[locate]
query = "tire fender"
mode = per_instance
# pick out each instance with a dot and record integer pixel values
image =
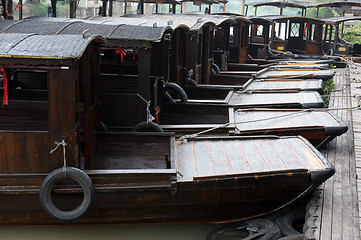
(178, 89)
(147, 127)
(59, 174)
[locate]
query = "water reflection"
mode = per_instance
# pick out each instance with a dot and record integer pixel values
(107, 232)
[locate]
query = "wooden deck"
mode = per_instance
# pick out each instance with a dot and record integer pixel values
(333, 211)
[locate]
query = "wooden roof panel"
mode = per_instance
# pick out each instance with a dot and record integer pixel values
(206, 157)
(275, 119)
(44, 46)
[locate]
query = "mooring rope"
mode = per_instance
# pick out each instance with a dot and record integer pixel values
(150, 118)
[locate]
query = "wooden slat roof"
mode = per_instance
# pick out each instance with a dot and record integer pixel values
(336, 4)
(220, 157)
(305, 99)
(302, 73)
(280, 119)
(110, 30)
(277, 4)
(282, 85)
(337, 20)
(22, 45)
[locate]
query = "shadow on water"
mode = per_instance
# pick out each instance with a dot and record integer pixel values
(107, 232)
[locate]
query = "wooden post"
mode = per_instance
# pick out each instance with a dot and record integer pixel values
(110, 8)
(53, 6)
(9, 7)
(20, 9)
(72, 9)
(105, 8)
(3, 3)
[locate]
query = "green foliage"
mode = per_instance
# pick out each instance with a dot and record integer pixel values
(353, 34)
(40, 9)
(327, 89)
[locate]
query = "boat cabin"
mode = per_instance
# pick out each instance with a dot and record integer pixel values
(41, 81)
(293, 9)
(300, 35)
(333, 42)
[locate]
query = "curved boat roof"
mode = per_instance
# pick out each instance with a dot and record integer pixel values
(23, 45)
(337, 20)
(257, 19)
(174, 21)
(109, 30)
(276, 4)
(299, 18)
(336, 4)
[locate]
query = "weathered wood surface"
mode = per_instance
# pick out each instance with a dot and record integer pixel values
(206, 158)
(279, 100)
(335, 213)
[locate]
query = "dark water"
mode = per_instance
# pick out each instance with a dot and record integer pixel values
(107, 232)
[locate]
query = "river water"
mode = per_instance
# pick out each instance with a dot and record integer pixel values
(107, 232)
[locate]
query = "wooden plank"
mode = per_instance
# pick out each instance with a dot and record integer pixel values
(269, 155)
(287, 155)
(253, 156)
(237, 158)
(305, 155)
(219, 157)
(203, 158)
(3, 162)
(37, 152)
(185, 159)
(15, 152)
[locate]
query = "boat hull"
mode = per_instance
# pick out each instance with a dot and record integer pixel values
(203, 200)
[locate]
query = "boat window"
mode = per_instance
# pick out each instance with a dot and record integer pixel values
(27, 108)
(295, 29)
(280, 29)
(259, 30)
(312, 33)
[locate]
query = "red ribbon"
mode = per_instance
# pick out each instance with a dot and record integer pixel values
(5, 97)
(121, 52)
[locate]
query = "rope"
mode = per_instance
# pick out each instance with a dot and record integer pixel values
(357, 97)
(64, 144)
(150, 118)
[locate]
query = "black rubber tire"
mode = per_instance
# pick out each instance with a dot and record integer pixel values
(285, 221)
(147, 127)
(55, 176)
(215, 69)
(175, 87)
(260, 229)
(191, 82)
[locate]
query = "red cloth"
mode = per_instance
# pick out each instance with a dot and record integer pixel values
(5, 97)
(121, 52)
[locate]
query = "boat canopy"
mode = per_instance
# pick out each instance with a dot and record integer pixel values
(338, 4)
(22, 45)
(295, 18)
(107, 29)
(338, 20)
(277, 4)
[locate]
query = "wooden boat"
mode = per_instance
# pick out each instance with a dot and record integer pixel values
(289, 34)
(317, 126)
(336, 45)
(296, 73)
(276, 4)
(290, 122)
(121, 40)
(169, 180)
